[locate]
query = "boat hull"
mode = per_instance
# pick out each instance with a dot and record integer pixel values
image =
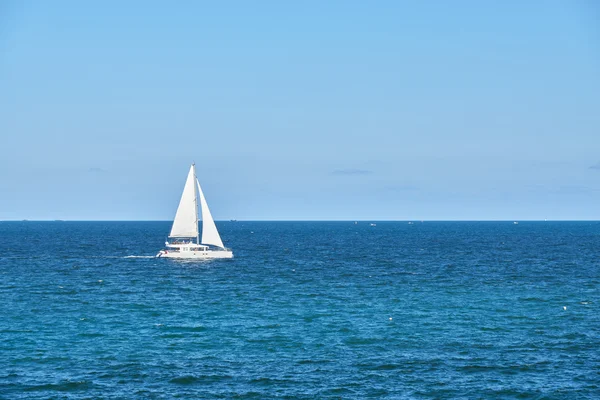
(198, 255)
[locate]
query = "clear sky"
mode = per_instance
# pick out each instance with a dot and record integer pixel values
(301, 109)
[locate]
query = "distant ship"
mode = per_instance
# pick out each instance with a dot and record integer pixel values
(185, 227)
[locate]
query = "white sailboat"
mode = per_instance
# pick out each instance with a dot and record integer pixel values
(180, 243)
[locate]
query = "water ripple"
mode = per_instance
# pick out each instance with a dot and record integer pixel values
(303, 311)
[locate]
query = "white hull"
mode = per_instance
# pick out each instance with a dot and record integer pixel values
(198, 254)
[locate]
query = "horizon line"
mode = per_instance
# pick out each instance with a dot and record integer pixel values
(308, 220)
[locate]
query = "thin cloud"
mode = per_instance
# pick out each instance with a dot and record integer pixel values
(96, 170)
(401, 188)
(596, 166)
(575, 189)
(352, 172)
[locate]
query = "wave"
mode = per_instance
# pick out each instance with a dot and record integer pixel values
(65, 386)
(192, 379)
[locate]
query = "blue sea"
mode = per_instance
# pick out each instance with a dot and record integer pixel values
(305, 310)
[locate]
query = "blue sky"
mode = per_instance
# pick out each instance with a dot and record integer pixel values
(301, 110)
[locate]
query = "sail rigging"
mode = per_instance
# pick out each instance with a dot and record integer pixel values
(210, 235)
(185, 224)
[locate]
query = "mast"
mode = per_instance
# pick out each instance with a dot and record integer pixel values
(196, 204)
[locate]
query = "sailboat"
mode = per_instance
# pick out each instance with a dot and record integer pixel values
(184, 240)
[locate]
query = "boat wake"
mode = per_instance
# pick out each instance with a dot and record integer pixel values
(139, 257)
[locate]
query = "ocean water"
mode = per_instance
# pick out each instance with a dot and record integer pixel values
(433, 310)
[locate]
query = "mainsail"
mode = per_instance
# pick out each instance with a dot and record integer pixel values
(186, 220)
(210, 235)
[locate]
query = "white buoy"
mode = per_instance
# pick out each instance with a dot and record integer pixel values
(100, 280)
(565, 308)
(390, 318)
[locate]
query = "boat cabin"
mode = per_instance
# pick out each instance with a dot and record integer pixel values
(181, 245)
